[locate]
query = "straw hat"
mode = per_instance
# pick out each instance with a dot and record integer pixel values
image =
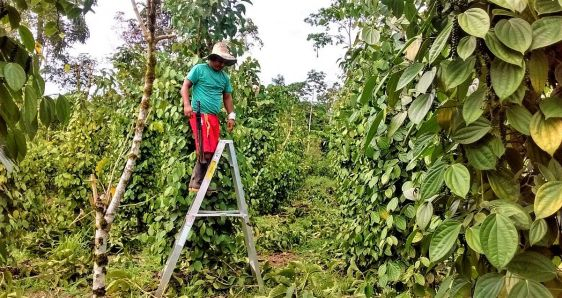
(220, 50)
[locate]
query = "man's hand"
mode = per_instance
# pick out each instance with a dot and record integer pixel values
(187, 111)
(230, 125)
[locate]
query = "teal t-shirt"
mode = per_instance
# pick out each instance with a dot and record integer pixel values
(208, 88)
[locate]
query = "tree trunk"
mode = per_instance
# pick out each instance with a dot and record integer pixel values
(100, 245)
(90, 80)
(139, 129)
(105, 217)
(310, 122)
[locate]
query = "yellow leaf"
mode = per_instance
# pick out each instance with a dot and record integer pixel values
(538, 70)
(548, 199)
(547, 134)
(101, 164)
(413, 48)
(384, 215)
(38, 49)
(67, 68)
(444, 117)
(418, 237)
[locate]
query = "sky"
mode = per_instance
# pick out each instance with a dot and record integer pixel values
(286, 51)
(104, 30)
(280, 24)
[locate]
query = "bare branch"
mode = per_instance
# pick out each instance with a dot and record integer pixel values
(165, 36)
(121, 155)
(141, 22)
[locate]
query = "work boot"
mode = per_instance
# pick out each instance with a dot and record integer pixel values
(197, 176)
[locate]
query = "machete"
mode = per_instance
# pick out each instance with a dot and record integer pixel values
(201, 154)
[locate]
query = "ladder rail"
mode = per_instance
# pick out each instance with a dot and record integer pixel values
(246, 227)
(188, 223)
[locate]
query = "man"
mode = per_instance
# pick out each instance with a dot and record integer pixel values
(209, 87)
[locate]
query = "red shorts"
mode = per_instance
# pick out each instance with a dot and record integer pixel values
(210, 129)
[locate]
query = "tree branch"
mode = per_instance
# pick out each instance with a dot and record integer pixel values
(165, 36)
(141, 23)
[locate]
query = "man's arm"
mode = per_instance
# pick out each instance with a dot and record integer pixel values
(229, 106)
(187, 109)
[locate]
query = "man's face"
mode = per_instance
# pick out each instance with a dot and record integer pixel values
(216, 64)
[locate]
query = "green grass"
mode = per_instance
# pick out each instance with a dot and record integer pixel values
(311, 268)
(58, 274)
(296, 247)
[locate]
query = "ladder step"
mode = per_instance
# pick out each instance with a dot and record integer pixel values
(215, 211)
(218, 213)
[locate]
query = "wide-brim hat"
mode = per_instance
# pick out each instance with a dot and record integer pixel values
(221, 51)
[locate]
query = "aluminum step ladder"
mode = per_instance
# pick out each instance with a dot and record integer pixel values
(194, 213)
